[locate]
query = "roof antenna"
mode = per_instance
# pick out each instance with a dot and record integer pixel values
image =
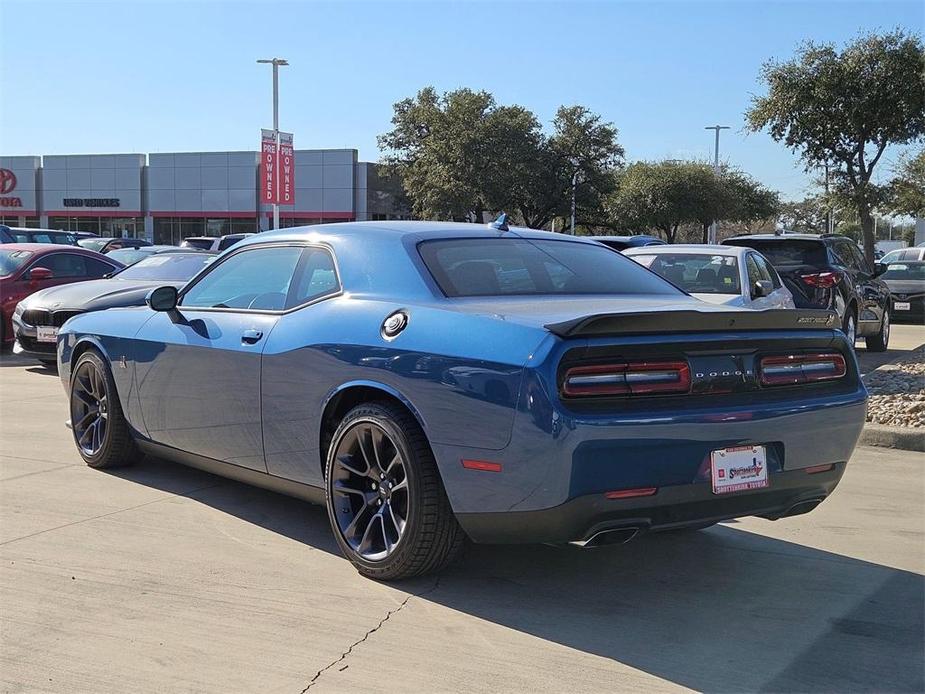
(500, 223)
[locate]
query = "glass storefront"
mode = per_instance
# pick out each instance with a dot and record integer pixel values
(126, 227)
(286, 223)
(15, 221)
(172, 230)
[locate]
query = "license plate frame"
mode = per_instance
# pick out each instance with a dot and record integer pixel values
(46, 333)
(902, 306)
(739, 469)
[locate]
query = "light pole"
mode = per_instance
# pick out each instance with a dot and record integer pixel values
(712, 237)
(574, 190)
(275, 62)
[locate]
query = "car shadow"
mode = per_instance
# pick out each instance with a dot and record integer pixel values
(720, 610)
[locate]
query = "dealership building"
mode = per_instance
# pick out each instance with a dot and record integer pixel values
(166, 197)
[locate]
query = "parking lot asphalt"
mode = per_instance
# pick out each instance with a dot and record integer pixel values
(160, 578)
(903, 339)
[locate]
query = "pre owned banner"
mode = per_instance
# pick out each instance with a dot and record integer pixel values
(286, 169)
(269, 177)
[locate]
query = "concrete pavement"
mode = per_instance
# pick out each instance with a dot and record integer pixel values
(161, 578)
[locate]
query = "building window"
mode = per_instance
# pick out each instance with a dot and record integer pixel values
(128, 227)
(172, 230)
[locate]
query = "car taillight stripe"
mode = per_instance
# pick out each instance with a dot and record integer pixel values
(627, 378)
(630, 493)
(793, 369)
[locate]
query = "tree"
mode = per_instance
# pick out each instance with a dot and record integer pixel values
(662, 195)
(846, 108)
(460, 155)
(667, 195)
(906, 194)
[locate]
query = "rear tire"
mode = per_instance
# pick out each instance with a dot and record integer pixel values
(100, 431)
(388, 510)
(881, 341)
(850, 327)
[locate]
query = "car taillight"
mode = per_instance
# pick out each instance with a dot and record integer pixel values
(791, 369)
(628, 378)
(823, 280)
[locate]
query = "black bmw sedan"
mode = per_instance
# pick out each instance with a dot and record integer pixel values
(38, 318)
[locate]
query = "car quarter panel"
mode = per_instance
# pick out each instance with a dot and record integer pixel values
(461, 373)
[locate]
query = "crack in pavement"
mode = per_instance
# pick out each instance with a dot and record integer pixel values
(343, 656)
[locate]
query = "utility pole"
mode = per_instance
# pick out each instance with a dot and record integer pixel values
(275, 62)
(712, 236)
(574, 186)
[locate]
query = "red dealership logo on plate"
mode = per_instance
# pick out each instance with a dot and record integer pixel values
(7, 181)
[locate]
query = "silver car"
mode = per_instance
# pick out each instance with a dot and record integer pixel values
(726, 275)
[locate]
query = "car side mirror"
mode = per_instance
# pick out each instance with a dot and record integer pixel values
(762, 288)
(880, 268)
(162, 299)
(37, 274)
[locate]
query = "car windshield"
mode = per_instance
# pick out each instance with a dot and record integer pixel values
(93, 244)
(63, 239)
(905, 271)
(498, 266)
(697, 273)
(173, 267)
(787, 251)
(128, 256)
(11, 261)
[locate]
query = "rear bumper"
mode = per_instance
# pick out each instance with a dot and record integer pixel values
(581, 518)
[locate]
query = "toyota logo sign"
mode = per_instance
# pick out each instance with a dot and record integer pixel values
(7, 181)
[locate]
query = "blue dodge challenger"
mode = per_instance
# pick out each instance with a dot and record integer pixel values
(430, 382)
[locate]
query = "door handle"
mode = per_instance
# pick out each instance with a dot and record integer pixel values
(250, 337)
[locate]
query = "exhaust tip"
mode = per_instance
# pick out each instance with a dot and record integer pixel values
(798, 508)
(613, 536)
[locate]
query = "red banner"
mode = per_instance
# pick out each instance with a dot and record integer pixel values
(269, 173)
(286, 169)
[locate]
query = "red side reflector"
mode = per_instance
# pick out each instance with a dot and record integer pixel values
(483, 465)
(792, 369)
(818, 468)
(630, 493)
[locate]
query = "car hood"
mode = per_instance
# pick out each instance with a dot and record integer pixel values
(905, 286)
(94, 295)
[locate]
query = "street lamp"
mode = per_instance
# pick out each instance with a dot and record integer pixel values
(712, 237)
(275, 62)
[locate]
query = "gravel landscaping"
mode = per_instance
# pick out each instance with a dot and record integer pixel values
(897, 392)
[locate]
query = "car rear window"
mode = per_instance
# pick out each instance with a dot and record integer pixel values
(787, 251)
(11, 261)
(506, 266)
(697, 273)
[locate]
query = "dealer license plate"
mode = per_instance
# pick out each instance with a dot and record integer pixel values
(738, 469)
(901, 305)
(46, 333)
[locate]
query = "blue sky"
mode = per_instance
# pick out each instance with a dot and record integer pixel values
(82, 77)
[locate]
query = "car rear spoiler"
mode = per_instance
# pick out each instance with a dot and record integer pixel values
(693, 322)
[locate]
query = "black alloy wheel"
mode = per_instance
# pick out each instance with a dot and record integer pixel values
(100, 431)
(387, 506)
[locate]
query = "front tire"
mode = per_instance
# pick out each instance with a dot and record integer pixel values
(386, 503)
(100, 431)
(881, 341)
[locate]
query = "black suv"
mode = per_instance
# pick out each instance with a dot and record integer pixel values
(829, 271)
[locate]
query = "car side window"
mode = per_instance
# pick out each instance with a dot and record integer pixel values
(766, 271)
(64, 265)
(857, 258)
(258, 279)
(315, 277)
(752, 268)
(97, 268)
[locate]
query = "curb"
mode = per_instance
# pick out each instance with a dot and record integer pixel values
(904, 438)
